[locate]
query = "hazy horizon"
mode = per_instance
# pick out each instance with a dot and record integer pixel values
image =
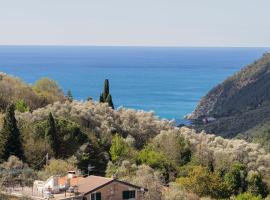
(174, 23)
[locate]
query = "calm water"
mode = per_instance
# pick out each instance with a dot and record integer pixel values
(169, 81)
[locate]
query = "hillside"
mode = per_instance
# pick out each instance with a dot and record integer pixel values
(134, 146)
(238, 104)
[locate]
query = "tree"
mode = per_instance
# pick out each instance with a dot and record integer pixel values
(51, 135)
(174, 146)
(236, 178)
(59, 167)
(49, 89)
(21, 106)
(119, 149)
(256, 186)
(69, 96)
(109, 101)
(204, 183)
(92, 154)
(10, 136)
(105, 96)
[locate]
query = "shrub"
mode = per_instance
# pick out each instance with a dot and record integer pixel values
(119, 149)
(236, 178)
(21, 106)
(256, 186)
(247, 196)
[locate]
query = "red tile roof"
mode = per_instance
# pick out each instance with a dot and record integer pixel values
(73, 181)
(91, 183)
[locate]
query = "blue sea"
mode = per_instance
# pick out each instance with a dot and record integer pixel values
(167, 80)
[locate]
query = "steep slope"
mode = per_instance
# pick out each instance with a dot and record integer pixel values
(239, 103)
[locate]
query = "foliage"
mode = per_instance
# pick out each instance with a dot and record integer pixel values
(105, 96)
(14, 171)
(147, 151)
(52, 136)
(236, 178)
(256, 186)
(247, 196)
(173, 146)
(204, 183)
(36, 145)
(13, 89)
(102, 120)
(153, 158)
(21, 106)
(119, 149)
(10, 136)
(57, 167)
(48, 89)
(175, 192)
(93, 154)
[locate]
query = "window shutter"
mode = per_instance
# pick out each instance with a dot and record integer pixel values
(132, 194)
(98, 196)
(125, 195)
(92, 196)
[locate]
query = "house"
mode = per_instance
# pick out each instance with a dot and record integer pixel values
(101, 188)
(71, 180)
(51, 184)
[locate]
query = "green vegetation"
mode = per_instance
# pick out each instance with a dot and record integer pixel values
(248, 196)
(14, 90)
(240, 103)
(10, 136)
(21, 106)
(106, 97)
(134, 146)
(52, 136)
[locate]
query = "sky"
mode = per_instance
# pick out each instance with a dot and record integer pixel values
(240, 23)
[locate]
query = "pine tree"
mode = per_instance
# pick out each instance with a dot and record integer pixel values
(10, 136)
(51, 135)
(105, 96)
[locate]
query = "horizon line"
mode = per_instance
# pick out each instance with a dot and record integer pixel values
(144, 46)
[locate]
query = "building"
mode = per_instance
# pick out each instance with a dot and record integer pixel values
(51, 184)
(88, 188)
(101, 188)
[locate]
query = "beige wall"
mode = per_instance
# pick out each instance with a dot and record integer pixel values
(114, 190)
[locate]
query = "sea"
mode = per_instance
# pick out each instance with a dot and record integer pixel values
(169, 81)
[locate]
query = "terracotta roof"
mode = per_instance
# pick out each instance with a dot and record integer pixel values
(91, 183)
(73, 181)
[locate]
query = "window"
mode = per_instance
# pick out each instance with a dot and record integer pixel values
(128, 194)
(96, 196)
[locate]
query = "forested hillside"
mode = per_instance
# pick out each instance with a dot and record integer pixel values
(173, 163)
(239, 104)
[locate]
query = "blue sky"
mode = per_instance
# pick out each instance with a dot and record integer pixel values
(135, 22)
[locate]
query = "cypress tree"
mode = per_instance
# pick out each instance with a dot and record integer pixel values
(106, 89)
(109, 101)
(101, 99)
(51, 135)
(10, 136)
(105, 96)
